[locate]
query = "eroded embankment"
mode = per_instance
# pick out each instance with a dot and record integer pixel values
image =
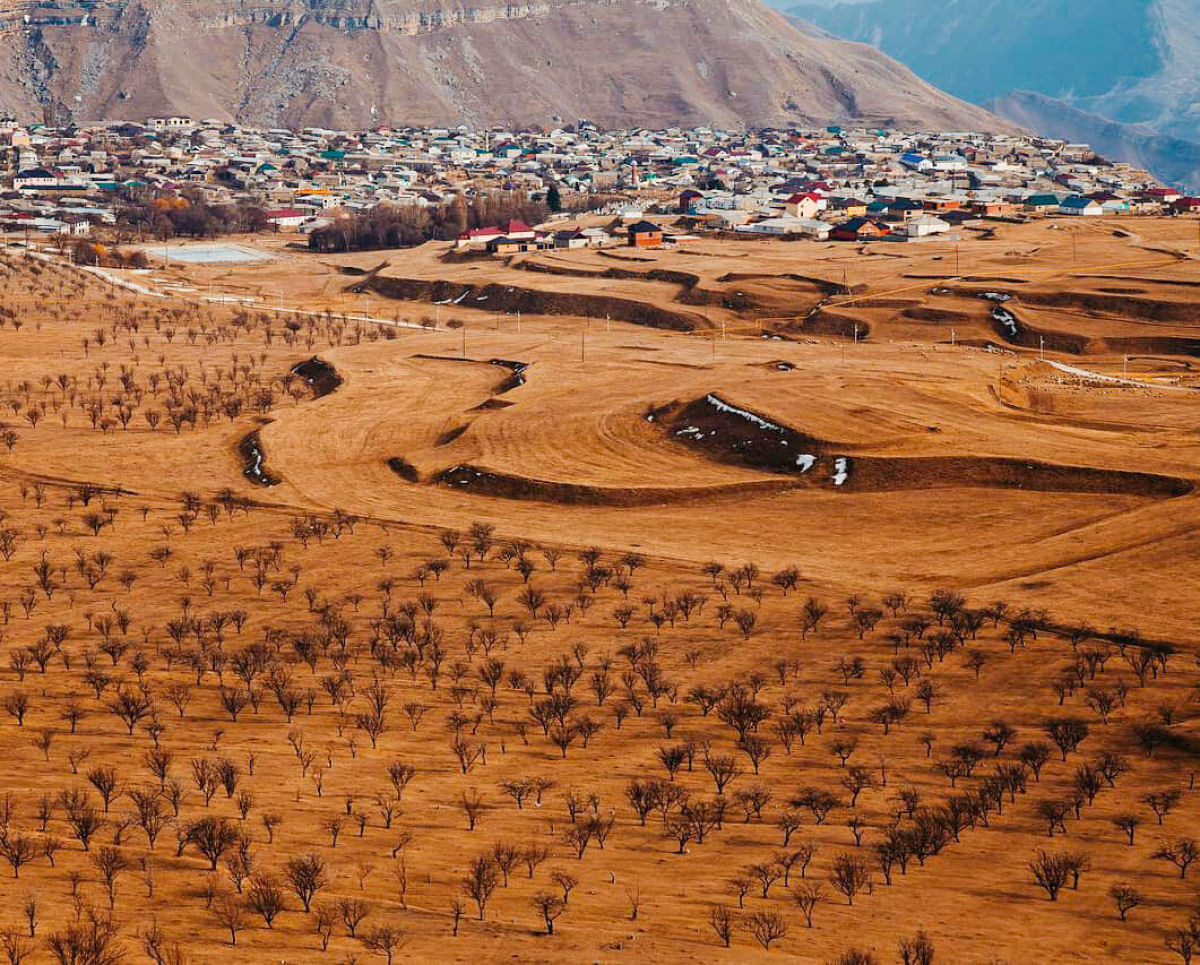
(870, 473)
(1152, 345)
(937, 316)
(686, 279)
(824, 285)
(1001, 279)
(735, 435)
(1017, 331)
(516, 376)
(1130, 306)
(823, 321)
(254, 460)
(516, 370)
(320, 376)
(512, 298)
(487, 482)
(404, 469)
(450, 435)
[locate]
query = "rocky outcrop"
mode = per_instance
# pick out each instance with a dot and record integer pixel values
(354, 63)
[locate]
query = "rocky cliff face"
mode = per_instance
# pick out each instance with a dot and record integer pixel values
(355, 63)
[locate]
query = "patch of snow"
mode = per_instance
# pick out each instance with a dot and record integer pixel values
(1007, 319)
(806, 462)
(841, 470)
(722, 406)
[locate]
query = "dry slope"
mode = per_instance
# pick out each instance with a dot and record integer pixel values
(354, 64)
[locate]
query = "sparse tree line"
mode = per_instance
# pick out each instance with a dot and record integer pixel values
(123, 394)
(568, 703)
(132, 394)
(405, 226)
(142, 212)
(504, 658)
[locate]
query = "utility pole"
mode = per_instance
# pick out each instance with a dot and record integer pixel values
(1124, 366)
(464, 340)
(582, 343)
(957, 269)
(1041, 348)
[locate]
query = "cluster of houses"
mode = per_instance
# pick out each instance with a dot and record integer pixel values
(514, 237)
(826, 183)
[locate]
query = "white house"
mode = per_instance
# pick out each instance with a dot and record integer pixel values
(34, 179)
(949, 162)
(917, 162)
(284, 218)
(788, 226)
(926, 225)
(597, 237)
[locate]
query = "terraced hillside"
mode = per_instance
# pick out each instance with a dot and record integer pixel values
(842, 623)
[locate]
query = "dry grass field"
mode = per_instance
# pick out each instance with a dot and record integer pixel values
(747, 601)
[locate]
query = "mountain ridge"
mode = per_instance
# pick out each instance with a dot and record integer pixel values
(1175, 160)
(1133, 66)
(348, 63)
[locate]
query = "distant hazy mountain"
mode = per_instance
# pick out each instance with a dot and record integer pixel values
(1172, 159)
(1136, 62)
(357, 63)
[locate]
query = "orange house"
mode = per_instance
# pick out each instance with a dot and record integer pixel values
(643, 234)
(942, 204)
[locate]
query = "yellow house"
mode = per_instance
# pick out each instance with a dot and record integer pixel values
(850, 207)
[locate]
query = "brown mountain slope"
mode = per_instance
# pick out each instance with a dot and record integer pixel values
(353, 64)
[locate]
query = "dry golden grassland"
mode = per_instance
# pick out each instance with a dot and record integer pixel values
(868, 638)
